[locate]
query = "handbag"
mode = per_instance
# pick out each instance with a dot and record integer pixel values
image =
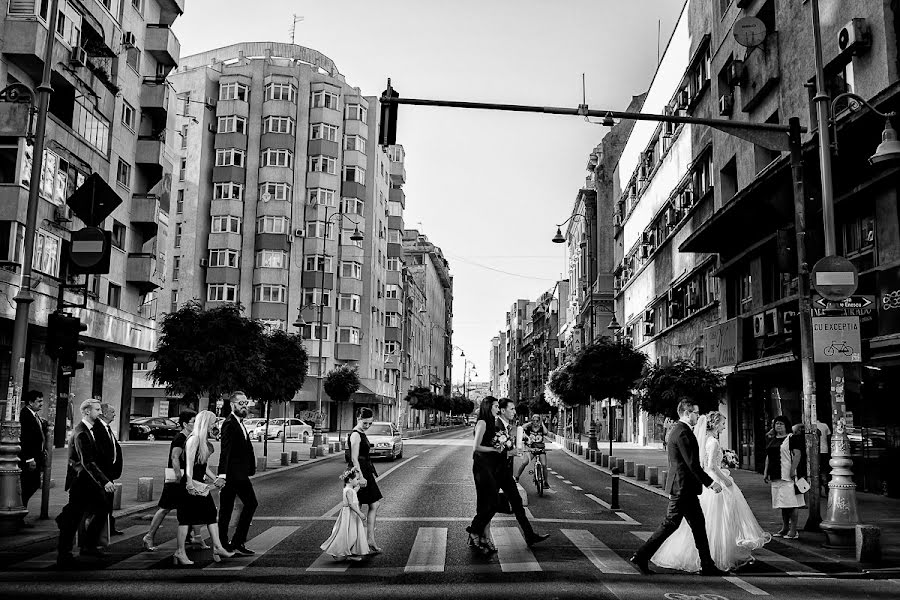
(199, 489)
(801, 485)
(170, 475)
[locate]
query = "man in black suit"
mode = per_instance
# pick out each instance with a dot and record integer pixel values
(33, 456)
(87, 486)
(504, 476)
(236, 464)
(684, 484)
(110, 454)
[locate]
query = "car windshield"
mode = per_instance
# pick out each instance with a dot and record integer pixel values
(274, 422)
(379, 430)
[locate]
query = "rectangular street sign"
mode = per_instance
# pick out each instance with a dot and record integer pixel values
(858, 305)
(836, 340)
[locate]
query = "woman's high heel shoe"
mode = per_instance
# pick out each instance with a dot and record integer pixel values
(220, 553)
(488, 545)
(180, 560)
(147, 543)
(199, 542)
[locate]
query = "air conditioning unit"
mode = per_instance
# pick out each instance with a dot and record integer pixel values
(204, 262)
(210, 102)
(647, 238)
(734, 73)
(128, 39)
(78, 57)
(643, 171)
(669, 129)
(726, 104)
(686, 199)
(854, 37)
(648, 315)
(645, 252)
(300, 232)
(671, 216)
(759, 325)
(773, 323)
(684, 99)
(62, 214)
(648, 329)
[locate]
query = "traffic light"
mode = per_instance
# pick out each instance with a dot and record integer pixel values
(387, 128)
(55, 327)
(67, 329)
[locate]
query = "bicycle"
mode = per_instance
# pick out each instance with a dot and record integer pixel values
(538, 470)
(840, 347)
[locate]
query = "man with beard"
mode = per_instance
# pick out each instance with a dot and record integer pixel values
(236, 464)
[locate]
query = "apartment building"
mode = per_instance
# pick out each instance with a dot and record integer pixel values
(278, 170)
(497, 362)
(517, 318)
(110, 114)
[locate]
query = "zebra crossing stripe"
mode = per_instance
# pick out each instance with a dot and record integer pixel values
(429, 551)
(48, 559)
(577, 489)
(337, 507)
(625, 517)
(785, 564)
(567, 481)
(144, 560)
(747, 587)
(642, 535)
(514, 554)
(598, 553)
(327, 564)
(261, 544)
(602, 503)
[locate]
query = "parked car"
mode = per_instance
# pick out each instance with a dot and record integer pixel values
(385, 440)
(152, 428)
(291, 428)
(251, 424)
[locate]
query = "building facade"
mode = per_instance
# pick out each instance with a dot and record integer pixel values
(111, 114)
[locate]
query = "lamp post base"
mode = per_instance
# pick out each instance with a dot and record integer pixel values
(841, 516)
(592, 437)
(12, 511)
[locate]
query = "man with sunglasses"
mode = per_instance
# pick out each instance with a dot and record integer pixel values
(236, 465)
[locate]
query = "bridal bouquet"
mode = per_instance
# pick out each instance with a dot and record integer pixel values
(730, 459)
(503, 442)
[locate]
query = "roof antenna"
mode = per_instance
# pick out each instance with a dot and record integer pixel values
(583, 107)
(294, 26)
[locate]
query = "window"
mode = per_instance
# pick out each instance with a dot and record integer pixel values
(313, 296)
(221, 292)
(127, 115)
(176, 267)
(315, 331)
(90, 124)
(702, 175)
(178, 230)
(346, 234)
(391, 347)
(323, 131)
(273, 124)
(348, 335)
(318, 262)
(118, 235)
(269, 293)
(232, 124)
(114, 295)
(323, 164)
(281, 91)
(229, 157)
(393, 264)
(185, 103)
(273, 324)
(226, 224)
(223, 257)
(357, 174)
(173, 304)
(133, 59)
(858, 235)
(184, 137)
(392, 291)
(353, 206)
(321, 196)
(318, 229)
(728, 180)
(355, 142)
(392, 319)
(699, 74)
(349, 302)
(271, 259)
(179, 203)
(270, 224)
(46, 253)
(394, 236)
(182, 168)
(123, 174)
(233, 91)
(275, 157)
(351, 269)
(356, 112)
(323, 99)
(228, 191)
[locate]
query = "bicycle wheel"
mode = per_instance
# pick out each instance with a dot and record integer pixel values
(539, 478)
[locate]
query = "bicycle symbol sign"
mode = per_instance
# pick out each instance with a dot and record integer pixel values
(836, 339)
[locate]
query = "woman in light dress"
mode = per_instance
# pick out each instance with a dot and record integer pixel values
(731, 528)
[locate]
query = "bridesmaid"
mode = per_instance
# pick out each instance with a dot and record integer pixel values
(485, 463)
(369, 494)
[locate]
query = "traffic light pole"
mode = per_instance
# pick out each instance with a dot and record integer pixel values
(12, 510)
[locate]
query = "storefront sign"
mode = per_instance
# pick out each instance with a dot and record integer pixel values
(836, 339)
(888, 301)
(723, 344)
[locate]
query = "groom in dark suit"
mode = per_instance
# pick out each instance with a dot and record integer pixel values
(685, 482)
(236, 464)
(32, 456)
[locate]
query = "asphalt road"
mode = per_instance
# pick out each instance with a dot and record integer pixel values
(429, 499)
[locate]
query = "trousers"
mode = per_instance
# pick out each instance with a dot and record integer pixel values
(242, 489)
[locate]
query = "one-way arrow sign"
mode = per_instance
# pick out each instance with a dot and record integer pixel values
(851, 302)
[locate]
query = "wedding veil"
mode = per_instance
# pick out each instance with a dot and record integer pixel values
(701, 433)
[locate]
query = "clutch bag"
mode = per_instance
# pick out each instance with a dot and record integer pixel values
(801, 485)
(199, 489)
(170, 475)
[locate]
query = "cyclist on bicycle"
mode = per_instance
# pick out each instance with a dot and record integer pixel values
(533, 438)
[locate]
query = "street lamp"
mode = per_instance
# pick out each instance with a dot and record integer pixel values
(616, 330)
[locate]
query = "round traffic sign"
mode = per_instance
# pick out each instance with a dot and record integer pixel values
(835, 278)
(87, 247)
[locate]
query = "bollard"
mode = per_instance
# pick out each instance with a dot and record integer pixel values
(629, 468)
(295, 458)
(653, 475)
(321, 451)
(868, 543)
(598, 457)
(284, 459)
(604, 460)
(620, 464)
(117, 497)
(261, 463)
(663, 476)
(641, 472)
(313, 452)
(145, 489)
(590, 454)
(614, 490)
(580, 450)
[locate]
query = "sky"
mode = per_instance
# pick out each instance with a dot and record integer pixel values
(487, 187)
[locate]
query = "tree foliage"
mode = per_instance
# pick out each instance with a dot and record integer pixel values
(605, 369)
(283, 368)
(420, 398)
(341, 382)
(662, 387)
(540, 406)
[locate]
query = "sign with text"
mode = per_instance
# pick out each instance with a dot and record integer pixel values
(862, 306)
(722, 344)
(888, 301)
(836, 340)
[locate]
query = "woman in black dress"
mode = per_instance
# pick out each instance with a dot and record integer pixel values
(172, 490)
(369, 495)
(197, 506)
(485, 463)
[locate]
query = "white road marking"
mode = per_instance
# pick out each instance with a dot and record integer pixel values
(48, 559)
(327, 564)
(577, 488)
(560, 477)
(426, 450)
(513, 552)
(337, 507)
(261, 544)
(627, 518)
(642, 535)
(783, 563)
(528, 514)
(567, 481)
(598, 553)
(602, 503)
(145, 560)
(747, 587)
(429, 551)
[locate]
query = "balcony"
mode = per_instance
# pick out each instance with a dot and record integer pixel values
(13, 202)
(169, 10)
(398, 172)
(144, 271)
(145, 210)
(398, 195)
(150, 151)
(154, 96)
(162, 45)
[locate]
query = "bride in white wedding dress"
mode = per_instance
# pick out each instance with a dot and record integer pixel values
(731, 528)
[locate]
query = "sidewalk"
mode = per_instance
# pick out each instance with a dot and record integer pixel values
(872, 509)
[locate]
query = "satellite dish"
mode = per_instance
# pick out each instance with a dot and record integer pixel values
(266, 196)
(749, 32)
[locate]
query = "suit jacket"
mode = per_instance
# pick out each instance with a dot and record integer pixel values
(686, 476)
(84, 472)
(31, 438)
(237, 460)
(105, 444)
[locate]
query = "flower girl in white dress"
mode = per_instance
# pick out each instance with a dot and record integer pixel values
(731, 528)
(348, 537)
